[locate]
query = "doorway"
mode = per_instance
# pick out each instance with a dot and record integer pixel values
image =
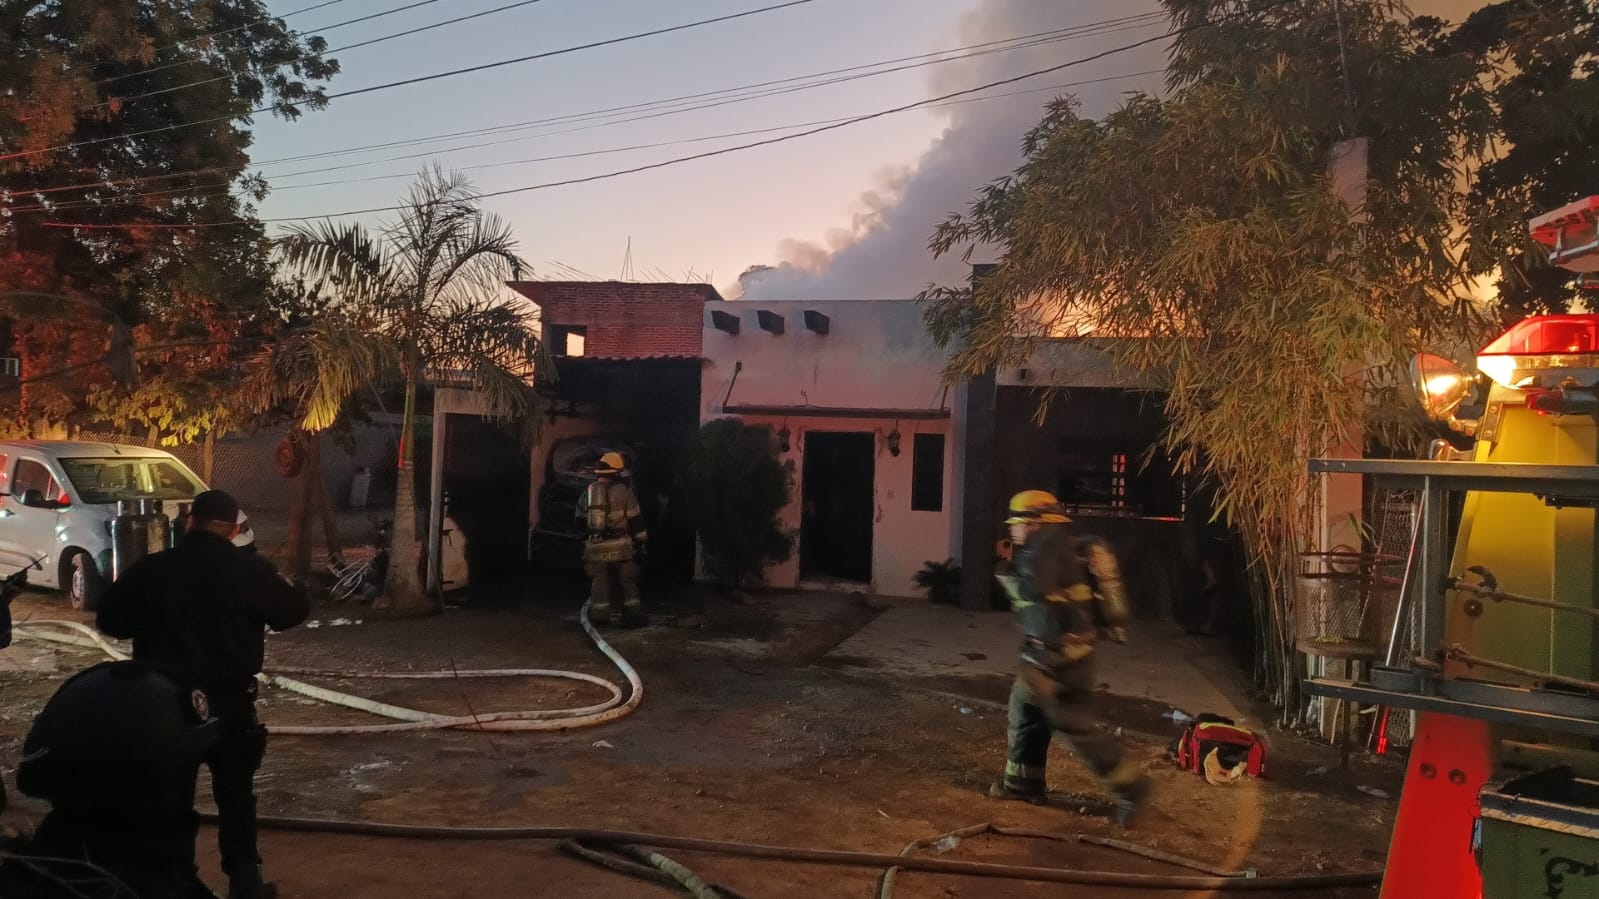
(486, 479)
(836, 491)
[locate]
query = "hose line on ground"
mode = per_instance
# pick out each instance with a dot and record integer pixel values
(412, 719)
(826, 856)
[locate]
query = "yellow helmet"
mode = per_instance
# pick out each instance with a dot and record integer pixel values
(610, 463)
(1036, 506)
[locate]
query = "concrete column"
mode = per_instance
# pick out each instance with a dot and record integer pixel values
(977, 490)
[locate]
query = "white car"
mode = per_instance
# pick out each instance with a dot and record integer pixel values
(57, 499)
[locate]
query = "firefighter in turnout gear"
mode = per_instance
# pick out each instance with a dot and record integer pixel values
(615, 527)
(1066, 592)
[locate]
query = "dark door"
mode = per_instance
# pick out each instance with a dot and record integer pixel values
(836, 530)
(486, 479)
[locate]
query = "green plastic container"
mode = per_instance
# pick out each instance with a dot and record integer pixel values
(1539, 837)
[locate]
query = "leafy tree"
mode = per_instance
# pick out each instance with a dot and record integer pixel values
(1539, 61)
(419, 302)
(120, 125)
(1206, 231)
(733, 488)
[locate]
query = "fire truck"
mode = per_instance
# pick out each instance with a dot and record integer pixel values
(1495, 643)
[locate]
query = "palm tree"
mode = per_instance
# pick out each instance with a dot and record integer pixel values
(418, 301)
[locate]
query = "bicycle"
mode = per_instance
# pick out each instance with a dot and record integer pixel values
(361, 566)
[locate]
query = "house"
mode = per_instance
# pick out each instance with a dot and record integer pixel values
(893, 465)
(627, 359)
(855, 393)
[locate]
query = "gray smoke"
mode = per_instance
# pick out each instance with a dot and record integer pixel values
(883, 253)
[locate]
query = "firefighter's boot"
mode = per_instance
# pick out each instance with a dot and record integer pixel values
(1021, 783)
(1130, 800)
(245, 882)
(1032, 795)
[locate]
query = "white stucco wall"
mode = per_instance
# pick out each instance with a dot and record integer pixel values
(875, 356)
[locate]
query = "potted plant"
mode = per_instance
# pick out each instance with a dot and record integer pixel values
(941, 580)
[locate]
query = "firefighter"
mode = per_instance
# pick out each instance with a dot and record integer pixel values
(1052, 587)
(115, 752)
(201, 610)
(615, 529)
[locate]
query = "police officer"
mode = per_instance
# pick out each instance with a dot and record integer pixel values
(201, 609)
(614, 524)
(115, 752)
(1065, 593)
(8, 590)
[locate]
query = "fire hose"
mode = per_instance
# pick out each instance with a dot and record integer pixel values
(625, 840)
(842, 857)
(406, 719)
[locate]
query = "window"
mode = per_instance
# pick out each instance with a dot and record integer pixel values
(30, 475)
(927, 473)
(568, 340)
(125, 477)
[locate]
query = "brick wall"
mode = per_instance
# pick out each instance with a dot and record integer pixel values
(623, 320)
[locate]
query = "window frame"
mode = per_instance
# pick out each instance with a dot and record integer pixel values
(53, 491)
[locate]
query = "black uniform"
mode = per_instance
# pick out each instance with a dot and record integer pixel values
(201, 609)
(115, 752)
(1053, 594)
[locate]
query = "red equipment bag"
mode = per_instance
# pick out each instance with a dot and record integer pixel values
(1234, 744)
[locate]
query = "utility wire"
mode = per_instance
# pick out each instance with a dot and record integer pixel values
(1081, 31)
(723, 151)
(713, 98)
(417, 80)
(218, 33)
(183, 62)
(309, 56)
(223, 187)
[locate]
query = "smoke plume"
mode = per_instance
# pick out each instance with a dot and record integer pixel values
(883, 253)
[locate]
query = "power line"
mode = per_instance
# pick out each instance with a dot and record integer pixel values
(417, 80)
(718, 97)
(726, 150)
(1081, 31)
(183, 62)
(366, 43)
(224, 187)
(219, 33)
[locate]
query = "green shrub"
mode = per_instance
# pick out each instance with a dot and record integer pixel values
(734, 487)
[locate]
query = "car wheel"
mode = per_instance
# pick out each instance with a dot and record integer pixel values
(77, 580)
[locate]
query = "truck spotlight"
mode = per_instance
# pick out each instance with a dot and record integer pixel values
(1440, 385)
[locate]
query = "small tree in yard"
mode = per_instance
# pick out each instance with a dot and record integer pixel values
(734, 486)
(418, 301)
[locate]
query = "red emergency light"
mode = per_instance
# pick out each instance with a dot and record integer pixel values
(1541, 352)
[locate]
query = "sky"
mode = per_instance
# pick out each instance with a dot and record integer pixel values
(843, 214)
(714, 217)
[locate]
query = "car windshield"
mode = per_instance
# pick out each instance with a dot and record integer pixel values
(124, 477)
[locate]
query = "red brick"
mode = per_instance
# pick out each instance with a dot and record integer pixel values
(625, 320)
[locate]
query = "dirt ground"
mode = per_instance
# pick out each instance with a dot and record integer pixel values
(771, 744)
